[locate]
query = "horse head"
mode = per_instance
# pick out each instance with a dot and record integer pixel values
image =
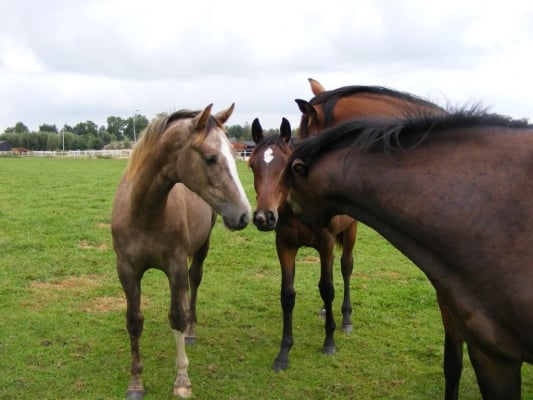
(203, 160)
(268, 161)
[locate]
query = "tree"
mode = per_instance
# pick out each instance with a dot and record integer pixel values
(116, 126)
(88, 135)
(47, 128)
(240, 133)
(85, 129)
(135, 127)
(19, 128)
(53, 142)
(69, 138)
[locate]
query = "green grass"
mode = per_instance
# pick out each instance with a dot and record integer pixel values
(62, 329)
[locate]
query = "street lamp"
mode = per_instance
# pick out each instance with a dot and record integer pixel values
(134, 133)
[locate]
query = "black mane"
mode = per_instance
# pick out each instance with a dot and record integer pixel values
(396, 135)
(355, 89)
(329, 98)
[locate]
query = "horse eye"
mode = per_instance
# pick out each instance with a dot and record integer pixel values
(210, 159)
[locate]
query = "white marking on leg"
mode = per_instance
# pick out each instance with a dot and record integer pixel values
(268, 156)
(182, 385)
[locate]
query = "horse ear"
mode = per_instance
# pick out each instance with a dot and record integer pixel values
(299, 167)
(316, 87)
(257, 131)
(223, 116)
(285, 129)
(200, 121)
(306, 108)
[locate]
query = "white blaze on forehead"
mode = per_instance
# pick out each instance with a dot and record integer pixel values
(228, 155)
(268, 156)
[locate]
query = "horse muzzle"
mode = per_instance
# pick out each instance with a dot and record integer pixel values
(236, 224)
(265, 220)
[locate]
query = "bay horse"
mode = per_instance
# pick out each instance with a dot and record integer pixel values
(329, 107)
(453, 194)
(181, 173)
(268, 161)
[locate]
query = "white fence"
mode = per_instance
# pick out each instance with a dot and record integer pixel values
(124, 153)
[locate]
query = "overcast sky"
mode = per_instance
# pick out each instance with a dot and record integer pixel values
(66, 61)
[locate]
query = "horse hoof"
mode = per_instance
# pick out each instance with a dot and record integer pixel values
(329, 350)
(190, 340)
(280, 366)
(347, 328)
(183, 392)
(135, 394)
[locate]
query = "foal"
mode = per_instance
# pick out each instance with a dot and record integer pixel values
(181, 172)
(268, 161)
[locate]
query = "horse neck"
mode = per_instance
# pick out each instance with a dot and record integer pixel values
(149, 190)
(364, 105)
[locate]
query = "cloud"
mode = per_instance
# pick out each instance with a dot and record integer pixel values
(63, 61)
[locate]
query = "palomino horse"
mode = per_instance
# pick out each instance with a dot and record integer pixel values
(329, 107)
(268, 161)
(159, 219)
(453, 193)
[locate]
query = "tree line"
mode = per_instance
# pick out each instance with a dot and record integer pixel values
(118, 133)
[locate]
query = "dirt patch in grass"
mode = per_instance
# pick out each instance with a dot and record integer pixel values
(309, 260)
(71, 283)
(85, 245)
(75, 290)
(107, 304)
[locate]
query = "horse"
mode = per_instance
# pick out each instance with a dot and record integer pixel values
(332, 106)
(180, 175)
(329, 107)
(267, 161)
(452, 193)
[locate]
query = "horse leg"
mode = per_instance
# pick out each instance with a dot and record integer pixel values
(327, 292)
(453, 354)
(498, 378)
(348, 242)
(178, 317)
(287, 259)
(131, 283)
(196, 271)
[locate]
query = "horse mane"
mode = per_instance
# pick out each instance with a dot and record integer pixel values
(390, 135)
(329, 98)
(357, 89)
(153, 132)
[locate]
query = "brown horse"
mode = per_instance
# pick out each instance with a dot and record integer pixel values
(453, 194)
(268, 161)
(330, 107)
(180, 168)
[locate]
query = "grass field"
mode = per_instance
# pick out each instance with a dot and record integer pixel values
(62, 328)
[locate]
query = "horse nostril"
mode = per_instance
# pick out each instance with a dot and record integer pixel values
(271, 217)
(244, 220)
(259, 217)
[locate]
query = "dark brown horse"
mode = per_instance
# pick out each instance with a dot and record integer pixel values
(453, 193)
(181, 172)
(268, 161)
(329, 107)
